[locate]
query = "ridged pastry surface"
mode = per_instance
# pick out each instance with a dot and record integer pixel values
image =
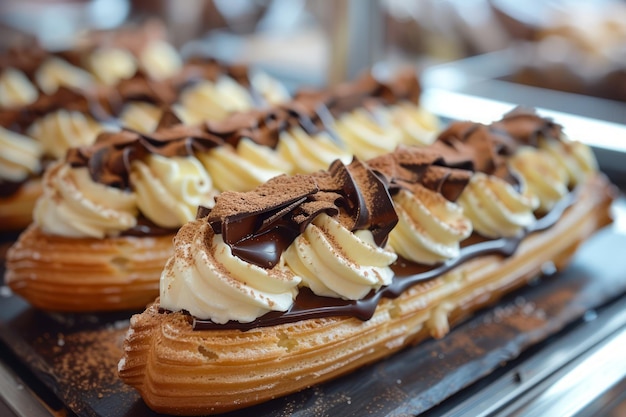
(85, 274)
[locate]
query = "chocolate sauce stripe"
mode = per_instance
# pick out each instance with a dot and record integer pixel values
(309, 306)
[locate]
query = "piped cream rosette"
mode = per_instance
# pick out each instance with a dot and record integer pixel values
(430, 228)
(254, 164)
(64, 129)
(16, 89)
(220, 286)
(368, 134)
(552, 169)
(166, 191)
(20, 163)
(335, 262)
(20, 156)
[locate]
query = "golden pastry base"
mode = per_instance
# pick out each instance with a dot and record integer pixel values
(84, 274)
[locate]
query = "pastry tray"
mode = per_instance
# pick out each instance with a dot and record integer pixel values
(75, 356)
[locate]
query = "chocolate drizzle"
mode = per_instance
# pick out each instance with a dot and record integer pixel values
(407, 274)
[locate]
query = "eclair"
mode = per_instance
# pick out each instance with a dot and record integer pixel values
(104, 223)
(41, 132)
(310, 276)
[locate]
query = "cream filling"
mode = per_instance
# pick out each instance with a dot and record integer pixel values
(429, 227)
(20, 156)
(141, 116)
(576, 158)
(170, 189)
(309, 153)
(495, 208)
(419, 126)
(64, 129)
(206, 101)
(16, 89)
(73, 205)
(55, 73)
(272, 91)
(111, 65)
(232, 171)
(335, 262)
(160, 60)
(544, 176)
(366, 138)
(207, 280)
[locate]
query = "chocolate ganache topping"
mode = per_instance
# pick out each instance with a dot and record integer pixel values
(526, 126)
(409, 166)
(25, 59)
(206, 68)
(110, 158)
(487, 148)
(259, 225)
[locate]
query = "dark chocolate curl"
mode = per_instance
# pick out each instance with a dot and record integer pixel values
(168, 119)
(352, 202)
(408, 166)
(487, 148)
(527, 127)
(257, 224)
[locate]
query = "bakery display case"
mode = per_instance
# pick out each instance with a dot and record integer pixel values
(553, 347)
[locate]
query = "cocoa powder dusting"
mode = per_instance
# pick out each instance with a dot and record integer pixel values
(87, 360)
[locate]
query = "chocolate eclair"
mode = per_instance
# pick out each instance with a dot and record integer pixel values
(43, 130)
(308, 277)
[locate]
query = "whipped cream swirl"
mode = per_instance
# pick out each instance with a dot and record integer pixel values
(111, 65)
(236, 171)
(544, 176)
(20, 156)
(15, 89)
(73, 205)
(56, 72)
(64, 129)
(170, 189)
(141, 117)
(429, 227)
(335, 262)
(309, 153)
(207, 280)
(364, 136)
(495, 208)
(206, 100)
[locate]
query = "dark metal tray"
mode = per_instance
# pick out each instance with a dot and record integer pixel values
(76, 356)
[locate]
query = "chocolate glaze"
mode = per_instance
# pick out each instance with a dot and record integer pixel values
(407, 274)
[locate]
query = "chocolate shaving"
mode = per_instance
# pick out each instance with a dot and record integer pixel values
(527, 127)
